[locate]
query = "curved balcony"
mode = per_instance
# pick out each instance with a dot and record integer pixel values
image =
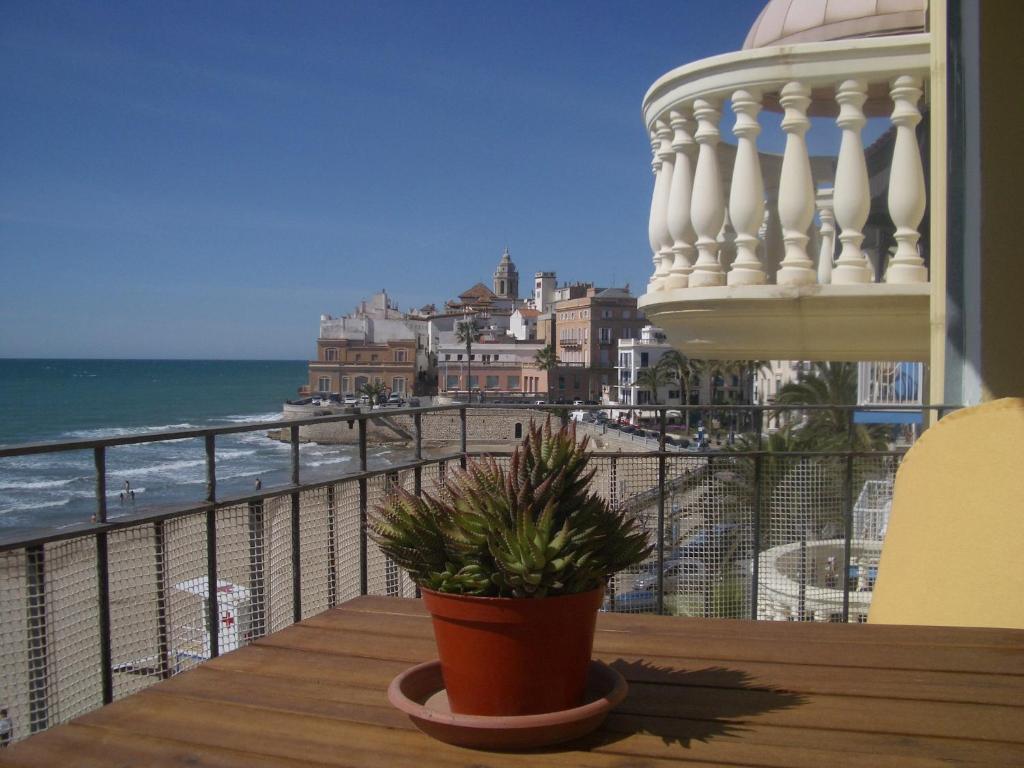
(793, 282)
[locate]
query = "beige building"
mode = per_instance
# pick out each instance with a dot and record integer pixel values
(587, 328)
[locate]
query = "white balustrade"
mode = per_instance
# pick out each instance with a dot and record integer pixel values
(746, 197)
(701, 239)
(907, 196)
(796, 188)
(707, 209)
(679, 200)
(852, 197)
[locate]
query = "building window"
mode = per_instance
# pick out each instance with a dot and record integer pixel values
(358, 357)
(561, 382)
(644, 358)
(344, 384)
(474, 382)
(447, 357)
(452, 382)
(458, 357)
(378, 381)
(606, 335)
(491, 382)
(324, 384)
(398, 385)
(625, 314)
(606, 314)
(399, 355)
(331, 355)
(513, 383)
(494, 358)
(374, 358)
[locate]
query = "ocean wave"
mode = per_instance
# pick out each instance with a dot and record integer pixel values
(157, 469)
(251, 417)
(36, 505)
(105, 432)
(339, 460)
(234, 453)
(38, 485)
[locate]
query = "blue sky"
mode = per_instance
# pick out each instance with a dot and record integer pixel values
(204, 179)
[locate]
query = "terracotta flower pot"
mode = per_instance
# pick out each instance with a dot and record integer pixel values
(514, 656)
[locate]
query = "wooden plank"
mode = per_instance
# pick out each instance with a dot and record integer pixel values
(316, 738)
(747, 640)
(822, 679)
(96, 747)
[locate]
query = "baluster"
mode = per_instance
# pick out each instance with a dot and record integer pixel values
(707, 210)
(851, 199)
(652, 232)
(907, 196)
(796, 188)
(667, 156)
(826, 252)
(746, 199)
(679, 200)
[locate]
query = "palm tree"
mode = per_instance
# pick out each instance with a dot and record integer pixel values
(373, 390)
(679, 368)
(831, 384)
(652, 378)
(547, 360)
(467, 331)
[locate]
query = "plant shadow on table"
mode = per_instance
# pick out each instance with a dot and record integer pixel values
(683, 705)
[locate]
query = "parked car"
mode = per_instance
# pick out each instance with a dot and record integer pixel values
(396, 400)
(682, 574)
(414, 402)
(351, 400)
(635, 601)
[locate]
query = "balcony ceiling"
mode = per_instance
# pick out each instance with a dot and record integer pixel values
(809, 322)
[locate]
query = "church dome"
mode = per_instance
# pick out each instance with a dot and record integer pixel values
(785, 22)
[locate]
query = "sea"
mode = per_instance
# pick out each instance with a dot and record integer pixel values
(59, 400)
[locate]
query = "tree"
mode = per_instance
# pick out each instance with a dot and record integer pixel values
(679, 368)
(650, 379)
(373, 390)
(467, 331)
(547, 360)
(829, 428)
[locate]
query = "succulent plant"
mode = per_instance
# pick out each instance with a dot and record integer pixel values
(534, 530)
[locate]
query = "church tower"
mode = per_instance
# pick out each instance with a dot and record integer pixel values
(506, 278)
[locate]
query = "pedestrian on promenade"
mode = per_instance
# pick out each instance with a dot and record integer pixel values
(259, 483)
(6, 729)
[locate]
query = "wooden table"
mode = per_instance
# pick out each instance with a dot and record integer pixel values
(702, 692)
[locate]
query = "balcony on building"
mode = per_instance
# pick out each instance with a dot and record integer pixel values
(793, 255)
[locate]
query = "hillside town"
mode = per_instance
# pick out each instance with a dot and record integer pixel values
(563, 343)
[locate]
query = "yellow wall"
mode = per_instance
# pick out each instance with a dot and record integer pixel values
(954, 548)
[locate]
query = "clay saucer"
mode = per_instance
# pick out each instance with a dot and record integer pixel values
(419, 692)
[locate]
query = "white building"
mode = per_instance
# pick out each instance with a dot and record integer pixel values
(523, 323)
(634, 356)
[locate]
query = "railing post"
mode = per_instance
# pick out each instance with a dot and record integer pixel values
(755, 571)
(848, 534)
(296, 500)
(462, 436)
(418, 455)
(160, 576)
(212, 607)
(660, 597)
(332, 552)
(103, 577)
(363, 500)
(38, 641)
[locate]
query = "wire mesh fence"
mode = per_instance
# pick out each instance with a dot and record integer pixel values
(96, 615)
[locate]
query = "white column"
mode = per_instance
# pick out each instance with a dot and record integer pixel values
(907, 196)
(796, 188)
(661, 240)
(852, 198)
(707, 209)
(679, 200)
(652, 232)
(827, 251)
(746, 198)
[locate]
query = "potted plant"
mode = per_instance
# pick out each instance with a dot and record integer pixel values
(512, 566)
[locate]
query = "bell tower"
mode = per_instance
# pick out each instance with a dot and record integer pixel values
(506, 278)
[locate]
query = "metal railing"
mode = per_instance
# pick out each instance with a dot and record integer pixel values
(92, 612)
